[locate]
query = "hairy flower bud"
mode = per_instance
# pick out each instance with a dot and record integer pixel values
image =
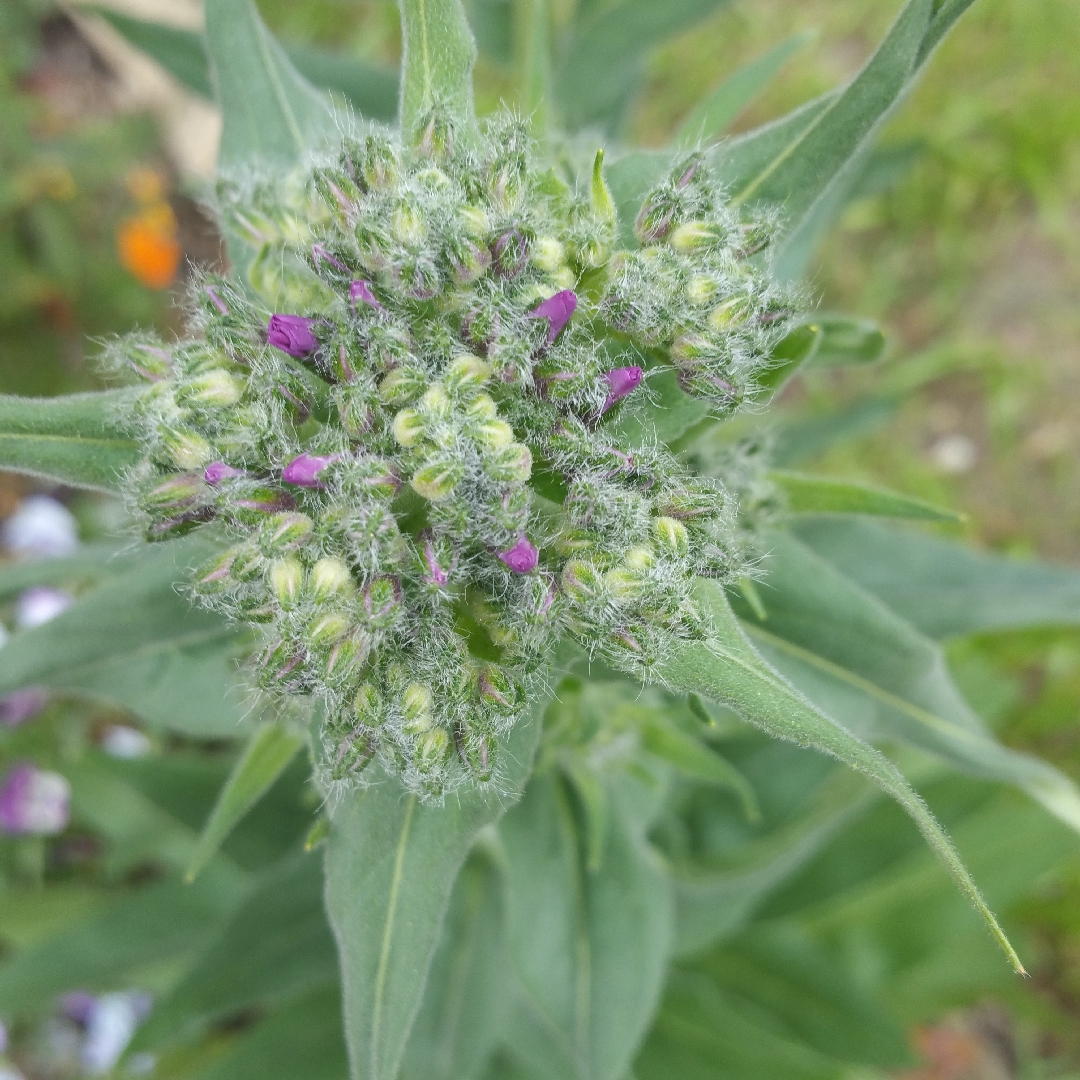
(286, 579)
(331, 580)
(672, 536)
(284, 532)
(292, 334)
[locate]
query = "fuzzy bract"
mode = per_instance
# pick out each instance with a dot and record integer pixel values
(407, 421)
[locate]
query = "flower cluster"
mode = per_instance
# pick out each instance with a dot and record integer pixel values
(406, 420)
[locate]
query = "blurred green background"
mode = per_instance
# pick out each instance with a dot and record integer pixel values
(963, 243)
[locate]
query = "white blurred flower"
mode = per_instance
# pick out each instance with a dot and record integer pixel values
(40, 604)
(954, 453)
(34, 801)
(40, 527)
(109, 1028)
(121, 741)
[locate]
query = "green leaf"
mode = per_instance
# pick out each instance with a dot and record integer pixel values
(534, 63)
(92, 562)
(601, 67)
(391, 865)
(269, 110)
(668, 413)
(156, 924)
(137, 643)
(83, 440)
(824, 495)
(804, 438)
(698, 761)
(180, 52)
(712, 115)
(438, 53)
(265, 757)
(589, 948)
(371, 90)
(727, 669)
(273, 947)
(942, 588)
(467, 990)
(880, 677)
(712, 905)
(303, 1039)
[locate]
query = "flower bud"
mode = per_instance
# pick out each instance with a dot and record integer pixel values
(465, 375)
(331, 579)
(511, 252)
(345, 658)
(621, 381)
(434, 402)
(34, 802)
(351, 755)
(407, 224)
(188, 449)
(510, 465)
(692, 235)
(492, 434)
(731, 313)
(217, 471)
(436, 480)
(286, 578)
(215, 576)
(409, 427)
(640, 559)
(176, 493)
(292, 334)
(498, 690)
(401, 385)
(581, 581)
(282, 665)
(304, 470)
(482, 407)
(380, 169)
(548, 254)
(324, 630)
(622, 583)
(672, 536)
(432, 750)
(254, 502)
(283, 533)
(558, 310)
(522, 557)
(468, 259)
(215, 388)
(368, 706)
(654, 220)
(416, 703)
(701, 289)
(382, 602)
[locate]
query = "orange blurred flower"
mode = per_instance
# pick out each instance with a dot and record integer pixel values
(147, 241)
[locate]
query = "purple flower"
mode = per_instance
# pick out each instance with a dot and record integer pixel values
(216, 300)
(77, 1005)
(320, 254)
(622, 380)
(40, 604)
(557, 310)
(304, 470)
(41, 527)
(522, 557)
(292, 334)
(217, 471)
(22, 705)
(361, 290)
(33, 801)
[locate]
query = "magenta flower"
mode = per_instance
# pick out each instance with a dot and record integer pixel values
(320, 254)
(217, 471)
(622, 380)
(292, 334)
(361, 290)
(557, 310)
(304, 470)
(22, 705)
(34, 802)
(522, 557)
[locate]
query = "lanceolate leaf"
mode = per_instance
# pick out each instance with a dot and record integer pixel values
(879, 677)
(269, 110)
(437, 62)
(589, 947)
(82, 440)
(825, 495)
(824, 341)
(942, 588)
(271, 748)
(136, 642)
(727, 669)
(371, 90)
(391, 865)
(712, 115)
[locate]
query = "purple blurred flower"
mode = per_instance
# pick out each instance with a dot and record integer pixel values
(522, 557)
(41, 527)
(33, 801)
(109, 1022)
(217, 471)
(622, 380)
(304, 470)
(292, 334)
(361, 290)
(22, 705)
(557, 310)
(216, 300)
(320, 254)
(77, 1005)
(40, 604)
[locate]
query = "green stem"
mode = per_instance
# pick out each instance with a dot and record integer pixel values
(727, 669)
